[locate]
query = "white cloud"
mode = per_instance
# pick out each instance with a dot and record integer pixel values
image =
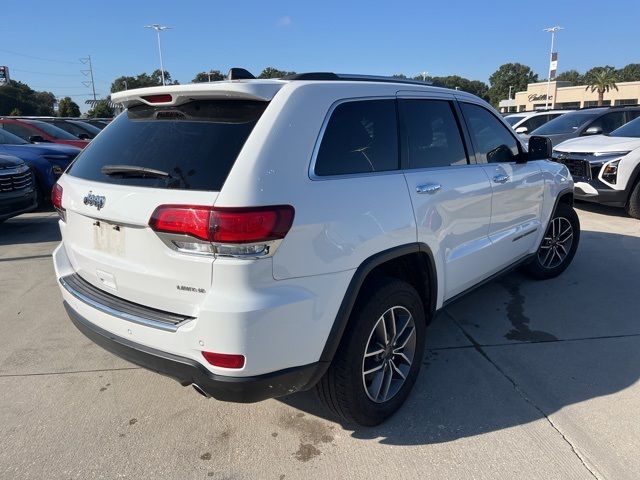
(284, 21)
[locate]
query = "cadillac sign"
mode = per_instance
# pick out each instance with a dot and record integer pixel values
(539, 98)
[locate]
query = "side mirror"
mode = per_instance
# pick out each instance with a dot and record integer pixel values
(521, 130)
(36, 139)
(593, 131)
(84, 136)
(540, 148)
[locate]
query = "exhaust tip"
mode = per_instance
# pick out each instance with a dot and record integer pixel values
(199, 389)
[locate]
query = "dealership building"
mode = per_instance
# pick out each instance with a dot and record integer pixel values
(564, 95)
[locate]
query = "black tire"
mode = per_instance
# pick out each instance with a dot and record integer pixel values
(40, 198)
(343, 388)
(552, 244)
(633, 205)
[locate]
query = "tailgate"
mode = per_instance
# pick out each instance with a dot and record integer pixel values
(114, 249)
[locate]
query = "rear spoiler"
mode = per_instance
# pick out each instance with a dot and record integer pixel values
(263, 90)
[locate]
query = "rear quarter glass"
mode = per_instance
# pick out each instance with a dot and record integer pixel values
(196, 144)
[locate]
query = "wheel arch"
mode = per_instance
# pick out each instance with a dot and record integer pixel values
(634, 178)
(421, 272)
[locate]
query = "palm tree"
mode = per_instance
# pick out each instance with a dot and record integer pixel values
(602, 81)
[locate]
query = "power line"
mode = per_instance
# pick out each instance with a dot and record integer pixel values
(47, 73)
(37, 58)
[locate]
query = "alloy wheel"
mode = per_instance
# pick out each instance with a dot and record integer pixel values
(556, 243)
(389, 354)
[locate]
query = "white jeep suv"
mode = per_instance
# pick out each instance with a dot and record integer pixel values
(255, 238)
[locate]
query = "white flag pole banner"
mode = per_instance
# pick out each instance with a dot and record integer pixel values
(4, 76)
(553, 65)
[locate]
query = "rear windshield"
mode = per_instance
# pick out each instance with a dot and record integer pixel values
(194, 145)
(567, 123)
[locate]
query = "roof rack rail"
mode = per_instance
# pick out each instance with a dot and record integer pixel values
(352, 78)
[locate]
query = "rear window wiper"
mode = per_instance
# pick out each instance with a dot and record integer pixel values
(132, 171)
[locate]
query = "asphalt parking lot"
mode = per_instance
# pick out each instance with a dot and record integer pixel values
(521, 378)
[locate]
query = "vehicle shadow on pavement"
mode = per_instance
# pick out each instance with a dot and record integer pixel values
(601, 209)
(26, 229)
(517, 351)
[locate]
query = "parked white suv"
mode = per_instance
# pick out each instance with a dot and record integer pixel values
(524, 123)
(255, 238)
(606, 168)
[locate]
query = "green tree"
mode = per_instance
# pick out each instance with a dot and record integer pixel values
(572, 76)
(141, 80)
(68, 108)
(19, 95)
(210, 76)
(475, 87)
(629, 73)
(601, 81)
(271, 72)
(16, 112)
(101, 110)
(399, 75)
(514, 75)
(591, 73)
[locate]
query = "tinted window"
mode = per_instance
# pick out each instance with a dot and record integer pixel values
(52, 130)
(492, 140)
(68, 127)
(567, 123)
(430, 134)
(361, 136)
(535, 122)
(196, 144)
(631, 129)
(87, 127)
(633, 114)
(7, 138)
(513, 119)
(609, 122)
(19, 130)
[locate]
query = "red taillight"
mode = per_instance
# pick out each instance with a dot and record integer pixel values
(182, 219)
(160, 98)
(56, 197)
(249, 225)
(224, 360)
(224, 225)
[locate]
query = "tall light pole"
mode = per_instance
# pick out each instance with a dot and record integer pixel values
(553, 31)
(510, 88)
(424, 76)
(159, 28)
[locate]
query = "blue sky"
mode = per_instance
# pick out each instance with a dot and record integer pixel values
(466, 37)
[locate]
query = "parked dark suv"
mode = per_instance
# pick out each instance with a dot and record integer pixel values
(588, 121)
(17, 192)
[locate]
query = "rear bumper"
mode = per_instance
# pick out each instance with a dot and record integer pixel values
(187, 371)
(15, 204)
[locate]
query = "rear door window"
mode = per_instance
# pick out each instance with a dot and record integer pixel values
(361, 137)
(535, 122)
(430, 134)
(194, 144)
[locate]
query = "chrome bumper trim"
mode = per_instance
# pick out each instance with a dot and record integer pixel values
(117, 307)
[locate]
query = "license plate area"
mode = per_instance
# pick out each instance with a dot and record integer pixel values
(108, 237)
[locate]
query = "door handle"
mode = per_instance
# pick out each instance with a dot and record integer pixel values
(429, 188)
(501, 178)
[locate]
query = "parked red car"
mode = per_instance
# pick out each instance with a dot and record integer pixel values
(36, 131)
